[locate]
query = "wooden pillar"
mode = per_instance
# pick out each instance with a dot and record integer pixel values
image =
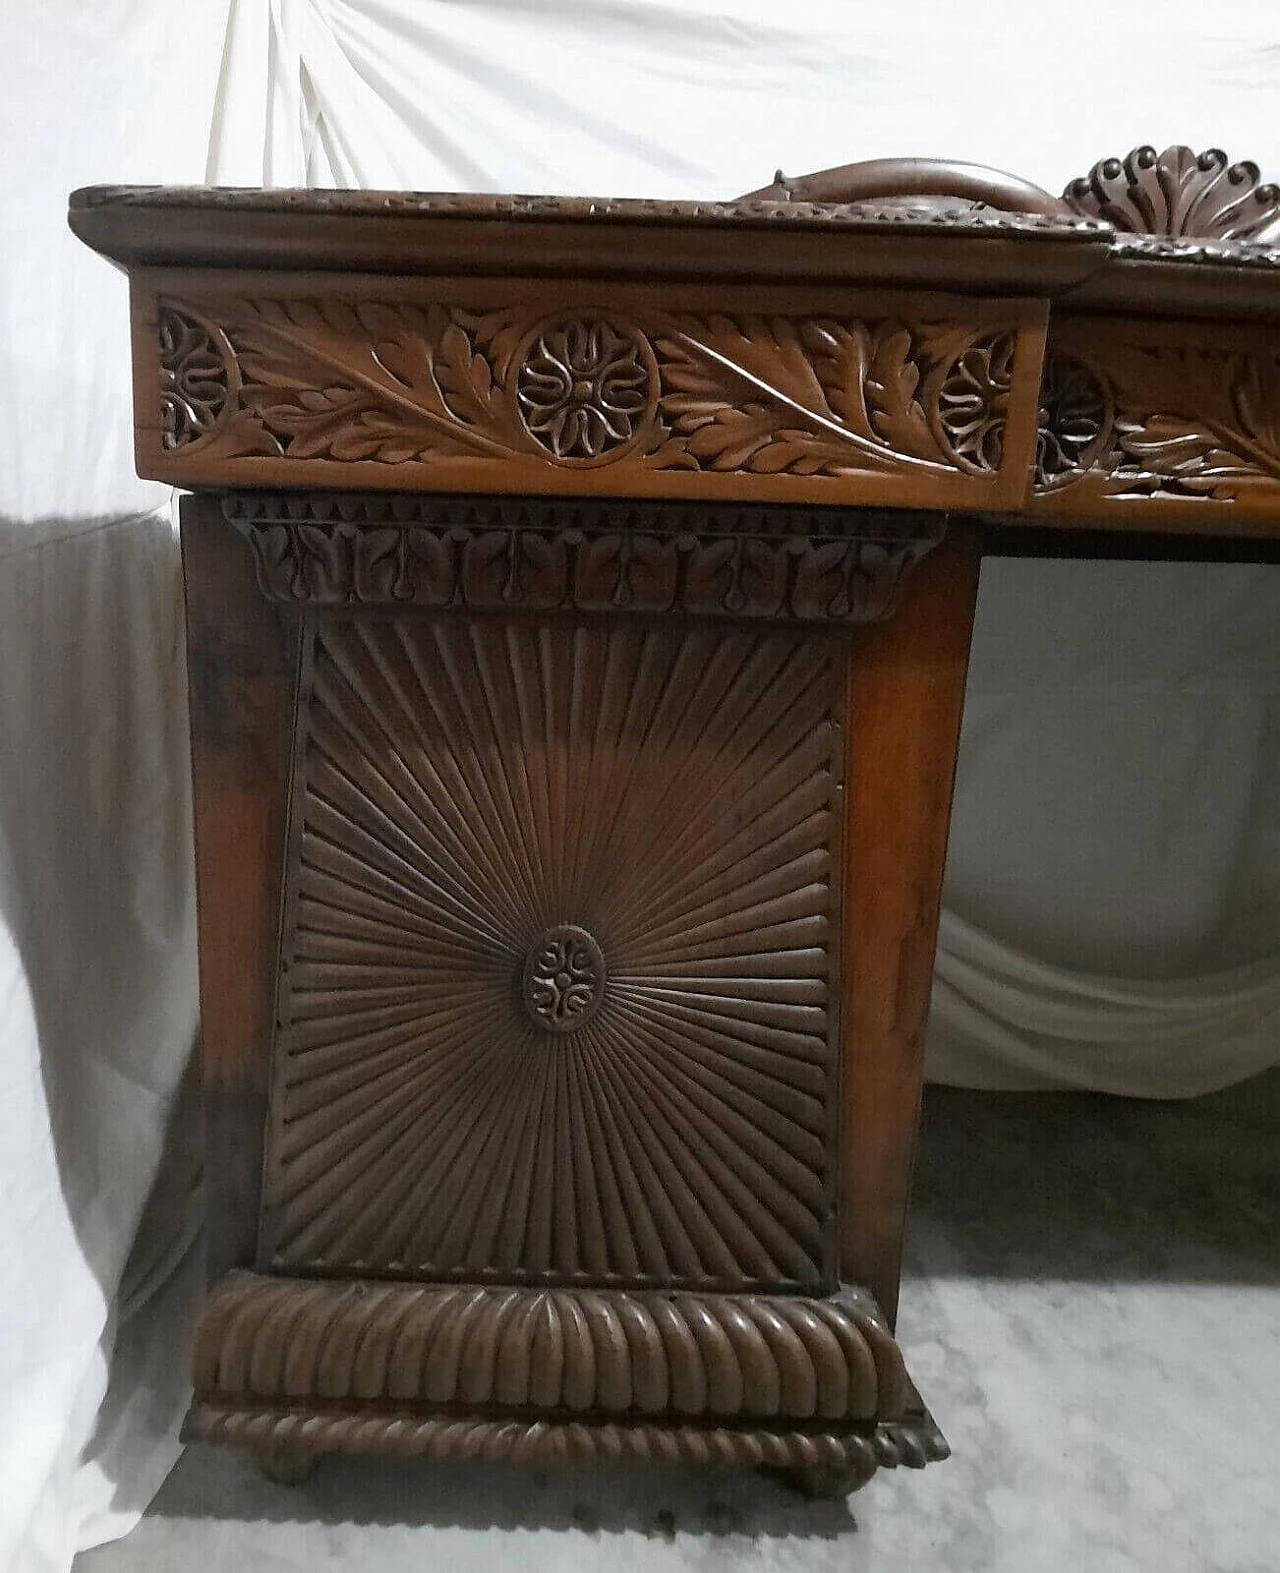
(906, 699)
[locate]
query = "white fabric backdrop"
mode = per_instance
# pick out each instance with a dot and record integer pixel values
(1114, 889)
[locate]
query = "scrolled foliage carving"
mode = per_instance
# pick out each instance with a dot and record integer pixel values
(1073, 421)
(1189, 420)
(391, 383)
(194, 377)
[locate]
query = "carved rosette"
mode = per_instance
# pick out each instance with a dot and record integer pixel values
(584, 387)
(394, 384)
(195, 377)
(1073, 424)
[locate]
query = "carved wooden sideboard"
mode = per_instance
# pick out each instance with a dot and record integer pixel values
(579, 596)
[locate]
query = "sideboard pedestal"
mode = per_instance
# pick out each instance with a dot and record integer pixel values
(579, 596)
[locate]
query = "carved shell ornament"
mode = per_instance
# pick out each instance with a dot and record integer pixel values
(583, 388)
(1177, 193)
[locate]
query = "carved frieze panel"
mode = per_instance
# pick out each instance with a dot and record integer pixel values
(556, 983)
(338, 387)
(808, 564)
(1183, 418)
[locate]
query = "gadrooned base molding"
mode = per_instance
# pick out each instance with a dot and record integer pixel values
(812, 1386)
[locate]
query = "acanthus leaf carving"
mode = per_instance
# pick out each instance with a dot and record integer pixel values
(586, 559)
(397, 383)
(1193, 421)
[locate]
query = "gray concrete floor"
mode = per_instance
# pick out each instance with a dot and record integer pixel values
(1092, 1310)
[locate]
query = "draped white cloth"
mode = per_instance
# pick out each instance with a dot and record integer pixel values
(1113, 899)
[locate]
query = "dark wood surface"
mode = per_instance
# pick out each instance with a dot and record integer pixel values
(579, 599)
(644, 815)
(775, 348)
(906, 699)
(242, 656)
(686, 392)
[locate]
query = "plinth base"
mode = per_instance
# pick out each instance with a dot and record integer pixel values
(290, 1369)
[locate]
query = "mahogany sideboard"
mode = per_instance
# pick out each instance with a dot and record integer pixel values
(579, 595)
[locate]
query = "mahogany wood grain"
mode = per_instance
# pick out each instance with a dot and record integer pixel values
(569, 860)
(915, 178)
(906, 698)
(241, 662)
(677, 391)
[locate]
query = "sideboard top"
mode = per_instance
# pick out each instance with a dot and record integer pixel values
(1190, 236)
(891, 334)
(754, 240)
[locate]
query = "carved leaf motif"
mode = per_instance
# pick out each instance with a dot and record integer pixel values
(729, 575)
(1165, 453)
(842, 359)
(768, 351)
(378, 381)
(826, 397)
(324, 562)
(822, 581)
(1255, 398)
(402, 565)
(497, 555)
(749, 438)
(465, 378)
(1221, 422)
(497, 333)
(1173, 446)
(896, 413)
(628, 571)
(399, 336)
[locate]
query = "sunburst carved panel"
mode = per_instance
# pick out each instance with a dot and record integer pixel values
(556, 999)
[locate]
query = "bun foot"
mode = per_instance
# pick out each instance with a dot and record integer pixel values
(286, 1466)
(824, 1483)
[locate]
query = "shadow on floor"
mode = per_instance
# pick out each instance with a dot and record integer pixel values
(658, 1502)
(1022, 1187)
(1090, 1188)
